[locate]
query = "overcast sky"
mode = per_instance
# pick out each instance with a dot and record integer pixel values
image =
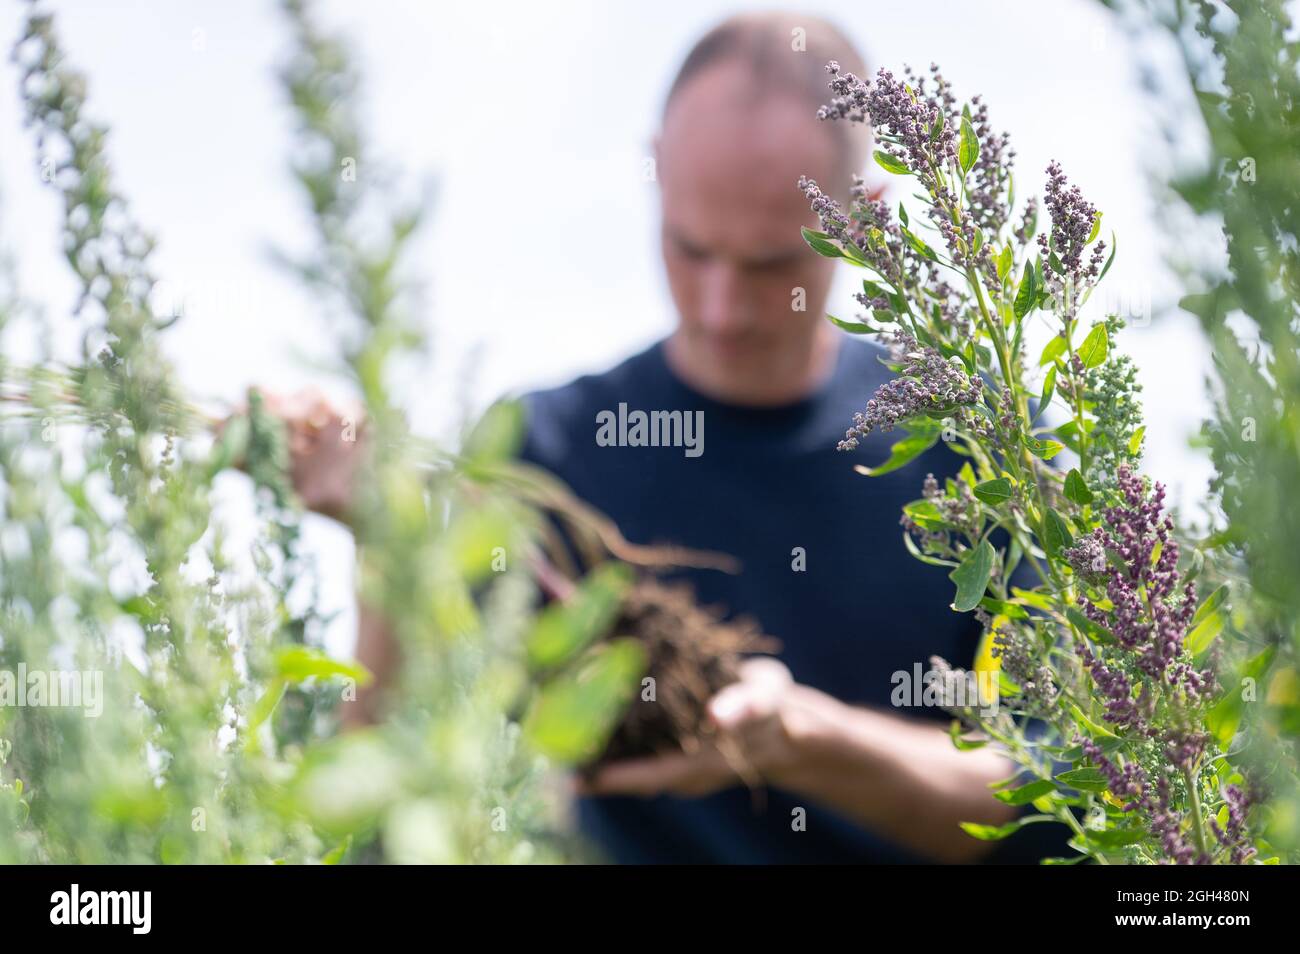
(534, 119)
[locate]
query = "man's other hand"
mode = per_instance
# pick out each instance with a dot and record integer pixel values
(324, 443)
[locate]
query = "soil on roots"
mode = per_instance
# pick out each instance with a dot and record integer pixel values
(691, 653)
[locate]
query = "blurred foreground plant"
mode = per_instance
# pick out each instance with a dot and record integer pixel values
(213, 732)
(1242, 61)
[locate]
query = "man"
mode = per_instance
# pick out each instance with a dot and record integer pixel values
(849, 778)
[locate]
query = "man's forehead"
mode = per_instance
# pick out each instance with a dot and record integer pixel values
(727, 105)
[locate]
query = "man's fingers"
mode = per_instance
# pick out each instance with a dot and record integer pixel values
(755, 697)
(767, 671)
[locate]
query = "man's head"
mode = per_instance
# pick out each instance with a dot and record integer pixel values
(739, 128)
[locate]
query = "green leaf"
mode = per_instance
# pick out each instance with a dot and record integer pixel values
(926, 515)
(1096, 227)
(1032, 598)
(1097, 632)
(1056, 533)
(821, 243)
(994, 491)
(891, 164)
(972, 576)
(231, 447)
(902, 213)
(1005, 261)
(1076, 488)
(498, 434)
(1211, 603)
(998, 832)
(1114, 246)
(574, 714)
(562, 630)
(1135, 442)
(1107, 744)
(262, 709)
(1053, 350)
(1204, 633)
(963, 745)
(1002, 608)
(1049, 390)
(1045, 450)
(1224, 718)
(969, 151)
(1095, 347)
(905, 451)
(852, 327)
(1027, 293)
(1115, 837)
(336, 854)
(918, 245)
(1026, 793)
(1095, 730)
(1084, 779)
(913, 549)
(295, 664)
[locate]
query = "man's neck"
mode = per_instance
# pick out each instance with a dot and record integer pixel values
(802, 377)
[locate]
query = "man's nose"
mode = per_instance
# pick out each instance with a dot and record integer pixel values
(724, 299)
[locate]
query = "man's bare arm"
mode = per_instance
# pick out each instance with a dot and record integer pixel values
(896, 776)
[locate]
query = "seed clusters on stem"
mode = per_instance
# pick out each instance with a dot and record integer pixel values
(1097, 650)
(927, 382)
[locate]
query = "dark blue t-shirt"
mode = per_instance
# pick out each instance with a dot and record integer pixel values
(768, 486)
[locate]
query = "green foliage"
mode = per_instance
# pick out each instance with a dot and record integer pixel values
(217, 735)
(1242, 60)
(1106, 653)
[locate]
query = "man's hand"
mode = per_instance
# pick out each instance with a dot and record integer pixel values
(324, 444)
(899, 776)
(767, 731)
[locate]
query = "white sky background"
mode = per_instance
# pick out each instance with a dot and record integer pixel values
(535, 120)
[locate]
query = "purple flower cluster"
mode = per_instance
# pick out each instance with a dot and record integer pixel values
(1133, 557)
(891, 109)
(927, 382)
(1073, 217)
(1132, 787)
(1088, 558)
(1116, 691)
(1149, 616)
(1128, 784)
(868, 228)
(1235, 838)
(1167, 825)
(833, 220)
(962, 511)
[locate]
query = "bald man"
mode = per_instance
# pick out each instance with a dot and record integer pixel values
(769, 388)
(773, 386)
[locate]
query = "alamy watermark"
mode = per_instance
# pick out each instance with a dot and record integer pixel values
(624, 428)
(942, 688)
(131, 908)
(55, 689)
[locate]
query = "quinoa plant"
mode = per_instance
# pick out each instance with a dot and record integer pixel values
(1105, 679)
(1241, 62)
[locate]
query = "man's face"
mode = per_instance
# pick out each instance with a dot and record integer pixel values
(731, 214)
